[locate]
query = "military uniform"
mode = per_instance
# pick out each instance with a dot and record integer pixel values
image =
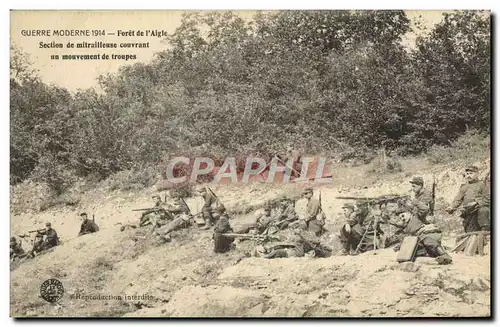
(209, 201)
(315, 219)
(475, 200)
(429, 237)
(156, 215)
(222, 243)
(16, 249)
(360, 221)
(421, 202)
(88, 226)
(51, 239)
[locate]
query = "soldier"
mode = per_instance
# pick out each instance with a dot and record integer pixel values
(88, 226)
(315, 218)
(40, 244)
(429, 237)
(222, 243)
(286, 213)
(475, 200)
(178, 206)
(16, 250)
(182, 218)
(361, 222)
(154, 215)
(297, 245)
(420, 203)
(51, 238)
(209, 201)
(349, 237)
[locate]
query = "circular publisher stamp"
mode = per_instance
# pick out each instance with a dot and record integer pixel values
(52, 290)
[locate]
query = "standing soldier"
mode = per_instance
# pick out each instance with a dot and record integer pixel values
(315, 219)
(209, 201)
(222, 243)
(88, 226)
(421, 200)
(475, 200)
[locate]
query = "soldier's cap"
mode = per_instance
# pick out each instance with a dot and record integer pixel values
(473, 169)
(155, 197)
(48, 224)
(348, 205)
(307, 191)
(83, 214)
(12, 239)
(417, 180)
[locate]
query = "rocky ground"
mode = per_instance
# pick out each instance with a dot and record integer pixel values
(185, 278)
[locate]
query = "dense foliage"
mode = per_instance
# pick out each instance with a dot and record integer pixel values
(326, 82)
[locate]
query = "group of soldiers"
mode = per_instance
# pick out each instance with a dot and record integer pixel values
(363, 232)
(280, 231)
(46, 239)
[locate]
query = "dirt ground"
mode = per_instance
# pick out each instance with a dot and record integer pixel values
(184, 278)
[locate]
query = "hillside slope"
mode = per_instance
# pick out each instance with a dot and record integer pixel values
(185, 277)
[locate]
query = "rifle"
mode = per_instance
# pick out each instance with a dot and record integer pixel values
(216, 198)
(433, 203)
(182, 199)
(36, 231)
(145, 209)
(93, 218)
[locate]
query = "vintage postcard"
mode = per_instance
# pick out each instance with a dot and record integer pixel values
(300, 163)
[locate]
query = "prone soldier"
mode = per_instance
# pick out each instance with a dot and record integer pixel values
(181, 218)
(155, 215)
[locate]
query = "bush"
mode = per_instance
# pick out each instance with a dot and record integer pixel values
(219, 89)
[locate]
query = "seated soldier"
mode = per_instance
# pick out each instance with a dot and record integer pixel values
(222, 243)
(286, 213)
(88, 226)
(51, 239)
(360, 223)
(16, 250)
(429, 237)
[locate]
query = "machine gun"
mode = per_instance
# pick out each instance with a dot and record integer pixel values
(384, 199)
(252, 237)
